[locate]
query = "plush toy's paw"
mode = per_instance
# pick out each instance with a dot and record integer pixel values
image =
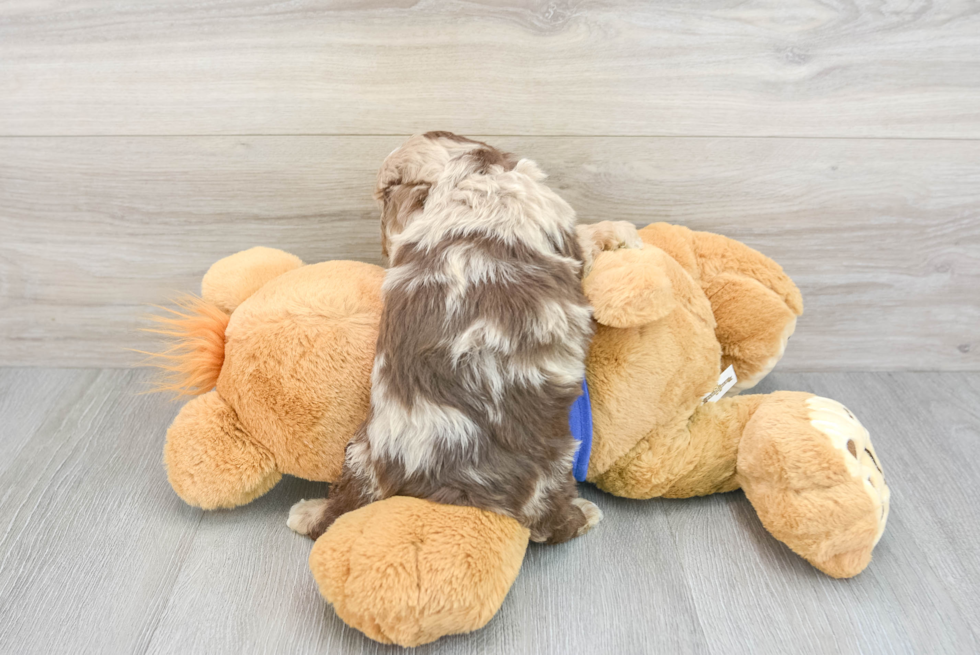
(304, 515)
(592, 515)
(408, 571)
(808, 467)
(853, 441)
(629, 288)
(212, 461)
(753, 326)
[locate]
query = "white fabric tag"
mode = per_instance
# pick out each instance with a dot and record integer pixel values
(726, 381)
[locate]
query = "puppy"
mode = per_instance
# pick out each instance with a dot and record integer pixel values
(482, 345)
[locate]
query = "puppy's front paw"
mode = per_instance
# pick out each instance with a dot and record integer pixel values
(592, 515)
(612, 235)
(305, 514)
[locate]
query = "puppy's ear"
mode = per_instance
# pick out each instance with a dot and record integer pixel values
(399, 204)
(485, 158)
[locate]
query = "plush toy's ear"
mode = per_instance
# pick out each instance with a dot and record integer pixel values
(233, 279)
(629, 287)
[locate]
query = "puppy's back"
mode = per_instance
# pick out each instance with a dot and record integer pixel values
(483, 340)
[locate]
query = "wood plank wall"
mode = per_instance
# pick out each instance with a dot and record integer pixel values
(140, 141)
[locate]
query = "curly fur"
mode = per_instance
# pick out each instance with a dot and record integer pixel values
(482, 343)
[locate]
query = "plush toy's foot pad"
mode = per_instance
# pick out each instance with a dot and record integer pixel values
(808, 467)
(408, 571)
(304, 514)
(592, 515)
(853, 440)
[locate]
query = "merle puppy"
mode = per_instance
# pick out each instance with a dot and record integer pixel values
(482, 345)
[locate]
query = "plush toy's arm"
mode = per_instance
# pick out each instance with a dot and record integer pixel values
(754, 302)
(231, 280)
(212, 462)
(605, 236)
(629, 288)
(806, 464)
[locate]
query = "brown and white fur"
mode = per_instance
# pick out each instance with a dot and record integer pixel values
(482, 345)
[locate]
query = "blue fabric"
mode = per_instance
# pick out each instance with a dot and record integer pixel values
(580, 418)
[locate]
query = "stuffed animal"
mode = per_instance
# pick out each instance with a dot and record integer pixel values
(282, 354)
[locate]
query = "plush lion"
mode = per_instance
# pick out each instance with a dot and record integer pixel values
(281, 355)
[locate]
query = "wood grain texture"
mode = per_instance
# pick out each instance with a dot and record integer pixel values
(533, 67)
(98, 555)
(30, 398)
(91, 537)
(918, 593)
(882, 236)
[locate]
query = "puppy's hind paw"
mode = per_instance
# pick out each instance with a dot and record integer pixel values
(592, 515)
(304, 515)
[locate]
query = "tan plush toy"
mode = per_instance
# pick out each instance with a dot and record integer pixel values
(288, 350)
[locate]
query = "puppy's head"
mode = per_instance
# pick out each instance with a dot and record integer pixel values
(408, 173)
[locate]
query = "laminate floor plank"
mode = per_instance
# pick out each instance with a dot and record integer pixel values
(98, 555)
(31, 398)
(917, 594)
(245, 587)
(91, 536)
(883, 237)
(532, 67)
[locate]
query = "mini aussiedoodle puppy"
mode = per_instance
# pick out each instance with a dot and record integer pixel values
(483, 339)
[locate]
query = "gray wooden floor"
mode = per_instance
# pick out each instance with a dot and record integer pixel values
(97, 555)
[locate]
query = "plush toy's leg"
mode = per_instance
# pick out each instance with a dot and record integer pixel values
(684, 459)
(808, 467)
(755, 303)
(211, 461)
(753, 326)
(231, 280)
(409, 571)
